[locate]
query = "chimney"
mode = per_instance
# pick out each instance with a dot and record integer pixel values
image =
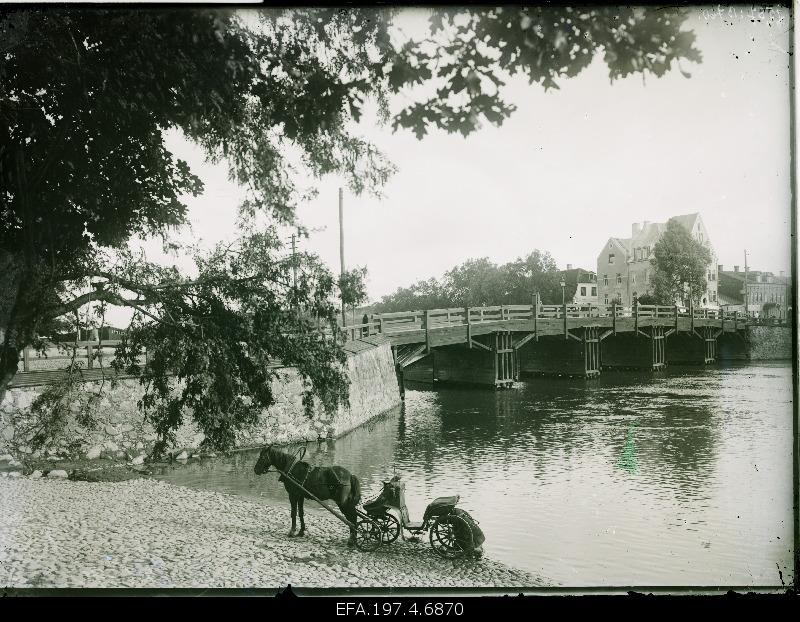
(719, 267)
(569, 266)
(736, 268)
(636, 229)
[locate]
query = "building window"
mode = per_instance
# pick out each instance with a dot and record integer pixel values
(594, 291)
(619, 279)
(606, 300)
(605, 280)
(611, 258)
(583, 291)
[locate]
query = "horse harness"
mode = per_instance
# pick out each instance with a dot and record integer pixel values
(297, 459)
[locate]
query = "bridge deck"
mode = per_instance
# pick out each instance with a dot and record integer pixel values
(441, 327)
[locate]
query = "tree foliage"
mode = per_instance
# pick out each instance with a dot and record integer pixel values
(353, 286)
(480, 282)
(680, 264)
(87, 97)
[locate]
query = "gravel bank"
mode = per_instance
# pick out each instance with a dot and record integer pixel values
(146, 533)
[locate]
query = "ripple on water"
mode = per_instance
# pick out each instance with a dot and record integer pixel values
(616, 481)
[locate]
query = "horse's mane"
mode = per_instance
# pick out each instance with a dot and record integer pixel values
(280, 458)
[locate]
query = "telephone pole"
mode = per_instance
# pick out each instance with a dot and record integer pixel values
(746, 297)
(294, 268)
(341, 247)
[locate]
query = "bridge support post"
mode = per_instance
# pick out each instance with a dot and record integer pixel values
(698, 347)
(505, 360)
(551, 356)
(627, 351)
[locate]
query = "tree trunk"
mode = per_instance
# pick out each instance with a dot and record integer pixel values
(13, 336)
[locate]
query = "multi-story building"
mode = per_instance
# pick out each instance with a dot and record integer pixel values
(624, 271)
(767, 295)
(585, 282)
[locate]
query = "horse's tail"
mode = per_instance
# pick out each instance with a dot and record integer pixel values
(355, 489)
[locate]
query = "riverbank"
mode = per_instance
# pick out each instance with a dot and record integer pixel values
(143, 533)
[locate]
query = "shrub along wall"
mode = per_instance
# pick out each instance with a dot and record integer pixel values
(121, 431)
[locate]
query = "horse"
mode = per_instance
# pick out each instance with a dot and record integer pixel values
(336, 483)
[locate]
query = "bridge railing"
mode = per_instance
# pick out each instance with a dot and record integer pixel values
(402, 321)
(86, 354)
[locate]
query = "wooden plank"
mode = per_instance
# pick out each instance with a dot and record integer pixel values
(524, 340)
(478, 344)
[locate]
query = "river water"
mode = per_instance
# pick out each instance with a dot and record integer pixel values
(632, 479)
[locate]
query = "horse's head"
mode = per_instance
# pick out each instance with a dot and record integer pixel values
(264, 460)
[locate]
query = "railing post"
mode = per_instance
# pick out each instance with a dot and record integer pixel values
(536, 303)
(469, 327)
(691, 313)
(614, 316)
(564, 311)
(26, 363)
(635, 318)
(676, 318)
(427, 330)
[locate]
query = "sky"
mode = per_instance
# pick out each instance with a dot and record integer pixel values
(569, 169)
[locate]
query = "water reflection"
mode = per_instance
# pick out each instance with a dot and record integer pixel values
(624, 479)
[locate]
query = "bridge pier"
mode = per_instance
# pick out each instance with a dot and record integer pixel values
(645, 349)
(578, 355)
(698, 347)
(491, 361)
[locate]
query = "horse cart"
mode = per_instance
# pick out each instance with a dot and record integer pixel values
(453, 532)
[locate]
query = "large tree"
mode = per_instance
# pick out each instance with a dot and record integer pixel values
(86, 99)
(680, 266)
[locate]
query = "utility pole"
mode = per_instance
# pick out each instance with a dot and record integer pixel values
(746, 297)
(294, 268)
(341, 247)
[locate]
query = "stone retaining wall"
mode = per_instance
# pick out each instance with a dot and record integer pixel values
(121, 431)
(769, 342)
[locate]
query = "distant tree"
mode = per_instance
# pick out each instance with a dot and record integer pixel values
(680, 264)
(87, 95)
(535, 273)
(480, 282)
(648, 299)
(427, 294)
(353, 287)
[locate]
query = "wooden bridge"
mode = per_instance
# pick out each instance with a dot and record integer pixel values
(492, 345)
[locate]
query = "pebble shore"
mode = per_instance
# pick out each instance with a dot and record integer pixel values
(144, 533)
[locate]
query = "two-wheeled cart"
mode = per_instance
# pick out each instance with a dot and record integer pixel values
(453, 533)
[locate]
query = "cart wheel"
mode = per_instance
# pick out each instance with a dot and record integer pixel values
(443, 537)
(368, 535)
(390, 526)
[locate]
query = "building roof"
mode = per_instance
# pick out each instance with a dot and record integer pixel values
(650, 232)
(687, 220)
(576, 275)
(752, 277)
